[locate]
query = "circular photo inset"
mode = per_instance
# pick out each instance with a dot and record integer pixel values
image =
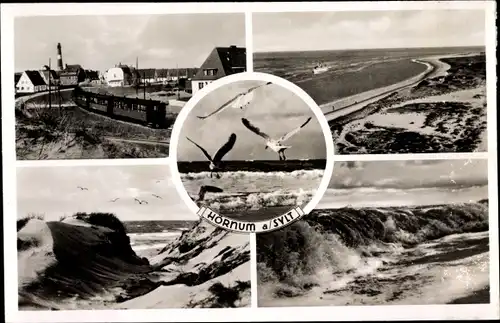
(250, 153)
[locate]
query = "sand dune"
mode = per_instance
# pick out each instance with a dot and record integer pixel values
(81, 264)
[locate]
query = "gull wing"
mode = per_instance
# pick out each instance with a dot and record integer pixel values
(256, 87)
(254, 129)
(225, 148)
(207, 188)
(222, 107)
(202, 149)
(211, 189)
(294, 131)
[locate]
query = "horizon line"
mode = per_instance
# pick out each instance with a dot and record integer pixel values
(373, 48)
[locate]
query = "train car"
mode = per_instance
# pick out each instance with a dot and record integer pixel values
(130, 109)
(146, 112)
(99, 104)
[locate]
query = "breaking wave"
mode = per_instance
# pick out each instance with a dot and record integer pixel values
(297, 174)
(346, 240)
(257, 200)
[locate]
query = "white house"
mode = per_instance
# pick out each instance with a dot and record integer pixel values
(115, 76)
(31, 82)
(121, 75)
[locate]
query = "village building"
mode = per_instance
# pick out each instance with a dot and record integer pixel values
(49, 76)
(122, 75)
(222, 61)
(17, 76)
(31, 82)
(91, 75)
(148, 75)
(72, 75)
(162, 75)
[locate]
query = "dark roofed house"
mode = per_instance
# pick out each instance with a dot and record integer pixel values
(72, 75)
(31, 82)
(92, 75)
(222, 61)
(148, 75)
(17, 76)
(162, 75)
(49, 76)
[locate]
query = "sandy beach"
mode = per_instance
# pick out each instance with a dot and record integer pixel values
(441, 110)
(435, 68)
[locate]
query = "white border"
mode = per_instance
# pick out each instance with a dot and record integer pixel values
(251, 76)
(346, 313)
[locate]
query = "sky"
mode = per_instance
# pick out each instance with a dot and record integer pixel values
(100, 42)
(412, 182)
(53, 192)
(367, 29)
(274, 109)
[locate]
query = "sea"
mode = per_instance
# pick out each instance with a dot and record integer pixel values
(379, 246)
(147, 238)
(351, 71)
(256, 190)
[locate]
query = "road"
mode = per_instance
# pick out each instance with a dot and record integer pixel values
(34, 95)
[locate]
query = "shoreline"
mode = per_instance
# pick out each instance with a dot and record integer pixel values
(350, 104)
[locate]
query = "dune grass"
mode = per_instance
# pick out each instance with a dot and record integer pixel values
(22, 221)
(107, 220)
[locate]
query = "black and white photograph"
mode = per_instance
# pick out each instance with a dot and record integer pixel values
(94, 87)
(251, 150)
(407, 232)
(389, 82)
(119, 237)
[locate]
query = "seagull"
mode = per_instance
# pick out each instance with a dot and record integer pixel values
(83, 188)
(215, 162)
(114, 200)
(141, 201)
(240, 101)
(274, 144)
(207, 189)
(158, 197)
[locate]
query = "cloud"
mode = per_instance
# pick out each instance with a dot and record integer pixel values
(410, 174)
(100, 42)
(53, 191)
(370, 29)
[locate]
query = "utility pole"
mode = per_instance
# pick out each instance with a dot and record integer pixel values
(137, 68)
(144, 76)
(50, 93)
(178, 82)
(59, 94)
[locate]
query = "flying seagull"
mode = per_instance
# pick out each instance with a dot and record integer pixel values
(157, 196)
(240, 101)
(216, 161)
(114, 200)
(207, 189)
(141, 201)
(83, 188)
(274, 144)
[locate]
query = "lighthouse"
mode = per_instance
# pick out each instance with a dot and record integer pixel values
(59, 57)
